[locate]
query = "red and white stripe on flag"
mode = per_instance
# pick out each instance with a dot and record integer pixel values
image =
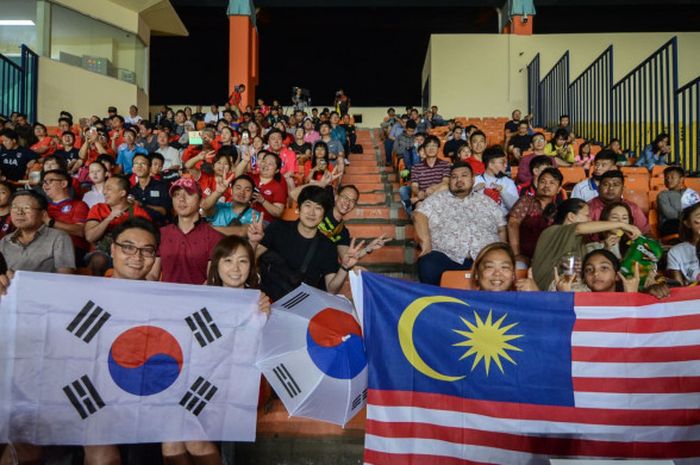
(636, 377)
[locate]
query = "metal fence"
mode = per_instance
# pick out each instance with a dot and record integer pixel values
(533, 87)
(19, 84)
(590, 102)
(644, 99)
(553, 94)
(688, 142)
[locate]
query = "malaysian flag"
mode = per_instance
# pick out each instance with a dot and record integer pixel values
(460, 377)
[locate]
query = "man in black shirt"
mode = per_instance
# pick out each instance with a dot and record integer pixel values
(452, 146)
(152, 194)
(14, 159)
(520, 142)
(68, 152)
(292, 240)
(512, 125)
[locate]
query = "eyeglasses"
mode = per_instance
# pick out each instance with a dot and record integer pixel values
(25, 209)
(145, 252)
(348, 199)
(49, 181)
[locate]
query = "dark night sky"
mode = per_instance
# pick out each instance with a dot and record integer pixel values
(375, 54)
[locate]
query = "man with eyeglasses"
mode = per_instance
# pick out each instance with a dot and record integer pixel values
(34, 246)
(65, 213)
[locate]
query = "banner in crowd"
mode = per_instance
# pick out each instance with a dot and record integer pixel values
(519, 377)
(110, 361)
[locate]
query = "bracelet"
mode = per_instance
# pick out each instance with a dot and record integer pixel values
(347, 270)
(368, 250)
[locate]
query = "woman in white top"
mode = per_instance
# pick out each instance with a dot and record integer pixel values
(682, 258)
(97, 172)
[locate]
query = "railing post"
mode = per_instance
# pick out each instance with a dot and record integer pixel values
(676, 129)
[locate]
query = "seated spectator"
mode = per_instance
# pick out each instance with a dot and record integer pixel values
(231, 217)
(560, 148)
(520, 142)
(655, 153)
(445, 228)
(310, 166)
(404, 141)
(429, 176)
(98, 176)
(6, 191)
(394, 132)
(311, 136)
(335, 148)
(69, 152)
(133, 118)
(270, 191)
(537, 165)
(463, 154)
(65, 213)
(682, 261)
(511, 127)
(348, 124)
(616, 147)
(494, 270)
(584, 157)
(300, 147)
(600, 272)
(604, 161)
(571, 224)
(157, 162)
(286, 155)
(15, 160)
(338, 131)
(611, 186)
(150, 193)
(671, 202)
(493, 182)
(412, 157)
(127, 151)
(146, 137)
(45, 144)
(116, 132)
(437, 119)
(612, 240)
(186, 245)
(533, 214)
(537, 143)
(96, 144)
(195, 155)
(477, 144)
(300, 253)
(453, 145)
(34, 246)
(104, 217)
(565, 128)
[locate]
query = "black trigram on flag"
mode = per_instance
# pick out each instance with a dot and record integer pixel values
(295, 300)
(88, 321)
(203, 327)
(84, 397)
(290, 385)
(357, 401)
(198, 396)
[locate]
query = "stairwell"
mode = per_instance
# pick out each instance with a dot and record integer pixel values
(295, 440)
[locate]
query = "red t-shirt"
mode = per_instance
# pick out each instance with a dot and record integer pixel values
(193, 150)
(207, 183)
(273, 192)
(100, 211)
(120, 137)
(45, 142)
(72, 212)
(477, 166)
(184, 257)
(289, 161)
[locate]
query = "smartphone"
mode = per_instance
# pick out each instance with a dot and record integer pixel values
(195, 137)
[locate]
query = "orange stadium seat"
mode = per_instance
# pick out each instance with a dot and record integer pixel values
(637, 183)
(653, 194)
(636, 170)
(656, 183)
(658, 171)
(572, 175)
(457, 280)
(637, 197)
(693, 183)
(653, 224)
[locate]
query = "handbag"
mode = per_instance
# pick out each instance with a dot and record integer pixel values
(277, 278)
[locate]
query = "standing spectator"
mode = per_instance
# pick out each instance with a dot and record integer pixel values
(429, 176)
(127, 151)
(672, 201)
(448, 235)
(604, 161)
(186, 245)
(133, 119)
(611, 186)
(342, 102)
(494, 182)
(15, 161)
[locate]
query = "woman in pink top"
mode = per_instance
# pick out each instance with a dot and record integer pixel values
(310, 134)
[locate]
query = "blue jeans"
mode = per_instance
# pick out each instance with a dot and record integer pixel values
(410, 158)
(432, 265)
(405, 194)
(388, 147)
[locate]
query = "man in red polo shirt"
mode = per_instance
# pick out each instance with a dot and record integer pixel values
(186, 245)
(477, 142)
(64, 213)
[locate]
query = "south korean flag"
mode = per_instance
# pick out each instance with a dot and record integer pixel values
(108, 361)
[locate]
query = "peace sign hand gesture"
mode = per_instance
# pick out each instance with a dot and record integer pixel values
(255, 230)
(352, 256)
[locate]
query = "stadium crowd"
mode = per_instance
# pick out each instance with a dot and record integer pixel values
(201, 197)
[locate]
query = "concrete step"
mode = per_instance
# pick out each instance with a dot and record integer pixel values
(378, 198)
(362, 178)
(372, 230)
(381, 213)
(365, 187)
(363, 169)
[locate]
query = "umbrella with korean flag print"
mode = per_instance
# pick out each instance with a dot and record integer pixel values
(312, 354)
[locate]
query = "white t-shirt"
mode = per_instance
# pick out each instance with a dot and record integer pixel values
(172, 157)
(585, 191)
(682, 257)
(132, 120)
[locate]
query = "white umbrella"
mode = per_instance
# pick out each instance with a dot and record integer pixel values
(313, 356)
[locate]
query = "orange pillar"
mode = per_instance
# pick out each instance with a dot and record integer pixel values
(243, 57)
(519, 25)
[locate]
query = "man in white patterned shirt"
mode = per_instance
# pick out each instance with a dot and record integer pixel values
(452, 226)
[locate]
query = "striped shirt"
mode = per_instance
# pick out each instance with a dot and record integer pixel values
(427, 176)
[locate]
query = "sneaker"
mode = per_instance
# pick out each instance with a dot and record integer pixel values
(347, 162)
